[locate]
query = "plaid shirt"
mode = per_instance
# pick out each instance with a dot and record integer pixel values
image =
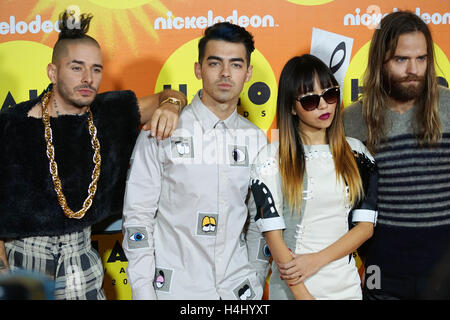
(69, 260)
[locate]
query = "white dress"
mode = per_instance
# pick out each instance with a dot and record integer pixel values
(322, 221)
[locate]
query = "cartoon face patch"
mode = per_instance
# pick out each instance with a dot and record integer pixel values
(137, 237)
(207, 224)
(244, 291)
(160, 279)
(238, 156)
(182, 147)
(163, 279)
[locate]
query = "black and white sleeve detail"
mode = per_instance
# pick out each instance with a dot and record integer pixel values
(366, 209)
(267, 217)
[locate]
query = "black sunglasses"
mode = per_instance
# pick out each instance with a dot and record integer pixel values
(311, 101)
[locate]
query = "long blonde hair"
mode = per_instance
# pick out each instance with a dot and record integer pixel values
(375, 95)
(298, 77)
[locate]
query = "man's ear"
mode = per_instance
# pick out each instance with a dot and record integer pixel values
(52, 72)
(249, 73)
(198, 70)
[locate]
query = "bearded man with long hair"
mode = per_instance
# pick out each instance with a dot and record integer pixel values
(404, 118)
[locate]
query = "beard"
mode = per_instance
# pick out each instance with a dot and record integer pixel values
(67, 95)
(399, 90)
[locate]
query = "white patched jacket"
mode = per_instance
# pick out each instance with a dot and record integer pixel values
(267, 187)
(185, 216)
(324, 217)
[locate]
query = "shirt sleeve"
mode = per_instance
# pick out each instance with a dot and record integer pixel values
(140, 206)
(266, 191)
(366, 209)
(258, 251)
(257, 248)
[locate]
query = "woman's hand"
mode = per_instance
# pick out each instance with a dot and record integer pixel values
(301, 267)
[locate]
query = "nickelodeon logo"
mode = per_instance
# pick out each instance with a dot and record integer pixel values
(373, 16)
(202, 22)
(21, 27)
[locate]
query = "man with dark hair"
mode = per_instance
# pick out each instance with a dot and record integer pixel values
(224, 35)
(185, 207)
(64, 159)
(404, 118)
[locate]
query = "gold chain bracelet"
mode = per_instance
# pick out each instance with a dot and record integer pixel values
(54, 167)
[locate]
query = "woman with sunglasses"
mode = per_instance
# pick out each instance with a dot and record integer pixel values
(314, 189)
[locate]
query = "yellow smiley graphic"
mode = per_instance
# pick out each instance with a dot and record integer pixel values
(22, 71)
(258, 97)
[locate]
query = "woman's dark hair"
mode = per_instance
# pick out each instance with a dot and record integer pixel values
(298, 77)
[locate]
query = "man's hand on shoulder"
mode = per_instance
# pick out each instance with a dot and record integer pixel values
(160, 112)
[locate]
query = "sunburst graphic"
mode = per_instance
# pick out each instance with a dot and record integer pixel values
(114, 22)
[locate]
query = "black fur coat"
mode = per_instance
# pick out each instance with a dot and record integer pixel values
(28, 202)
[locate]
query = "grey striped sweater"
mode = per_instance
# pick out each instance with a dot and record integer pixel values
(413, 188)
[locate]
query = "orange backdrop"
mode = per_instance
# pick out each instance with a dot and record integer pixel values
(151, 44)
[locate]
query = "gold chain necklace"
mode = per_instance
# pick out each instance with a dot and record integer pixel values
(54, 168)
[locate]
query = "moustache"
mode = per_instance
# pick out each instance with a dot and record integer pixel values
(411, 78)
(225, 81)
(84, 86)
